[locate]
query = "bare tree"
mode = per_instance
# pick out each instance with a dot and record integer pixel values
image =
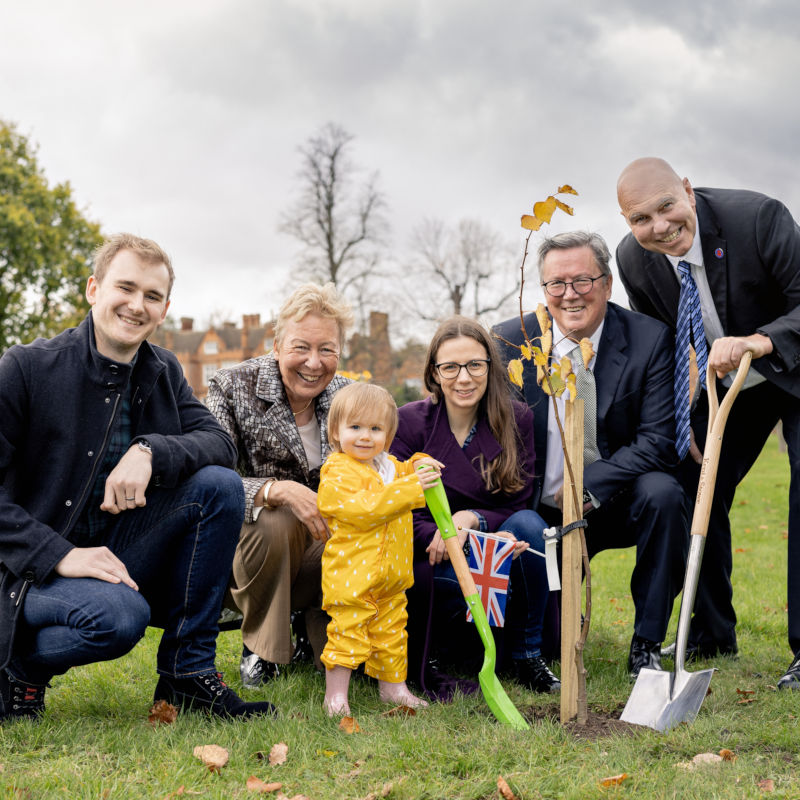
(466, 270)
(337, 217)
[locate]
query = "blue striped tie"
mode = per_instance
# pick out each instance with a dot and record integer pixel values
(690, 328)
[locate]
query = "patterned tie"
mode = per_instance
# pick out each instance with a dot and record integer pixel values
(586, 388)
(689, 328)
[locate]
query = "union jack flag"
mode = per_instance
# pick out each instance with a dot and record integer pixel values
(490, 564)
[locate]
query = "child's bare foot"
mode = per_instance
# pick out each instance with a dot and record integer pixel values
(400, 695)
(336, 705)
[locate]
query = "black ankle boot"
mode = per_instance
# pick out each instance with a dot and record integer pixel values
(19, 699)
(209, 693)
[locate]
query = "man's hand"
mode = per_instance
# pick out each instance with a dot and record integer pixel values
(437, 550)
(558, 499)
(727, 352)
(302, 502)
(127, 482)
(94, 562)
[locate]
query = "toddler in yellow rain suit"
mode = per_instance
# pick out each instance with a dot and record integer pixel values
(366, 497)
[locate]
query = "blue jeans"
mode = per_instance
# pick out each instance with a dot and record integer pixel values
(179, 549)
(527, 589)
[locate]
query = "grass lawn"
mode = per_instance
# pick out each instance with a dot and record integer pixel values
(95, 741)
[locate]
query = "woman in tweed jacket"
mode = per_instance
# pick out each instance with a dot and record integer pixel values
(275, 408)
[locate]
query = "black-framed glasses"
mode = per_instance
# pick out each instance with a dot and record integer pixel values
(478, 367)
(580, 285)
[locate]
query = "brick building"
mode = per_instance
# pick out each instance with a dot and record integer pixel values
(202, 353)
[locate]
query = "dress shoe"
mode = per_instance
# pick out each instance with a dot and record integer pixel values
(19, 699)
(791, 680)
(643, 653)
(255, 672)
(207, 693)
(534, 673)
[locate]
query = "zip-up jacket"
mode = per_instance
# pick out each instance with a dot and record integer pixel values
(59, 399)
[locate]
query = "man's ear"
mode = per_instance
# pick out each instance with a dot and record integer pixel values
(91, 290)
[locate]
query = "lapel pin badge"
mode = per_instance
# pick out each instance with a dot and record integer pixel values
(719, 252)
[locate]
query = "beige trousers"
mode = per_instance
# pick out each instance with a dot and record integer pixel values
(276, 570)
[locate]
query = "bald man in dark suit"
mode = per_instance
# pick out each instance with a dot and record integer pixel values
(743, 249)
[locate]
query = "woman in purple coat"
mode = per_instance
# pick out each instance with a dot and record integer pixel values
(484, 438)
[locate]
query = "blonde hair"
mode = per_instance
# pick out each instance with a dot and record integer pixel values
(146, 249)
(311, 298)
(361, 402)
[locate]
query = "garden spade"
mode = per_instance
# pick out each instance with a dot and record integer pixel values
(493, 692)
(663, 699)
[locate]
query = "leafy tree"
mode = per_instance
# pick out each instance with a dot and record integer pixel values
(46, 247)
(338, 218)
(468, 270)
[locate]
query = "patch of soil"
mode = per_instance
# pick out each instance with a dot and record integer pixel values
(599, 723)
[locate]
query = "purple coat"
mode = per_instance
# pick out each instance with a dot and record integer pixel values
(424, 428)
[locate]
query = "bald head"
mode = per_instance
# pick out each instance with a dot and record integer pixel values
(658, 206)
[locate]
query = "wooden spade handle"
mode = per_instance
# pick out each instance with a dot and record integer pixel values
(717, 417)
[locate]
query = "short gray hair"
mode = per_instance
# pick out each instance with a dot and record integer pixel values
(567, 241)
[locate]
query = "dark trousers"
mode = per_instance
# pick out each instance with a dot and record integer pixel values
(653, 516)
(753, 416)
(178, 548)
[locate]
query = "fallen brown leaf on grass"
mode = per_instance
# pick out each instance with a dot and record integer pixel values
(727, 755)
(162, 711)
(767, 785)
(745, 701)
(349, 725)
(212, 755)
(278, 753)
(254, 784)
(701, 758)
(356, 768)
(614, 780)
(400, 711)
(181, 791)
(505, 789)
(745, 691)
(384, 792)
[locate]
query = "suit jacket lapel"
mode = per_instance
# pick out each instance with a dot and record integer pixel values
(608, 369)
(716, 266)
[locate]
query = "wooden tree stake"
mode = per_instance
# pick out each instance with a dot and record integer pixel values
(571, 561)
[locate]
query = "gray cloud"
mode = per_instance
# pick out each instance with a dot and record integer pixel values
(181, 120)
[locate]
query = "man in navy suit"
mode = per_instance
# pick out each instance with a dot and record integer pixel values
(744, 252)
(630, 497)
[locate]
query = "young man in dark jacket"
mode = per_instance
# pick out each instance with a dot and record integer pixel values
(118, 507)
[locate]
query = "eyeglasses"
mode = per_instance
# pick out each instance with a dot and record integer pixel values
(478, 367)
(580, 285)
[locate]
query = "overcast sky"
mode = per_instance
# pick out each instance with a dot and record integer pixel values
(180, 120)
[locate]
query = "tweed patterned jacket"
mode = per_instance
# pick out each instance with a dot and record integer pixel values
(251, 405)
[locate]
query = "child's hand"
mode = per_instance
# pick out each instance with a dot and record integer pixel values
(430, 473)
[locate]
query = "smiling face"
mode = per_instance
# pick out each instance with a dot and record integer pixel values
(658, 206)
(307, 356)
(577, 315)
(128, 304)
(463, 392)
(363, 439)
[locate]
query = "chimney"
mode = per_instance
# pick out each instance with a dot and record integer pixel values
(187, 323)
(251, 321)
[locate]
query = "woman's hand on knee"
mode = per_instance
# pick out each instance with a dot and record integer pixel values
(302, 502)
(94, 562)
